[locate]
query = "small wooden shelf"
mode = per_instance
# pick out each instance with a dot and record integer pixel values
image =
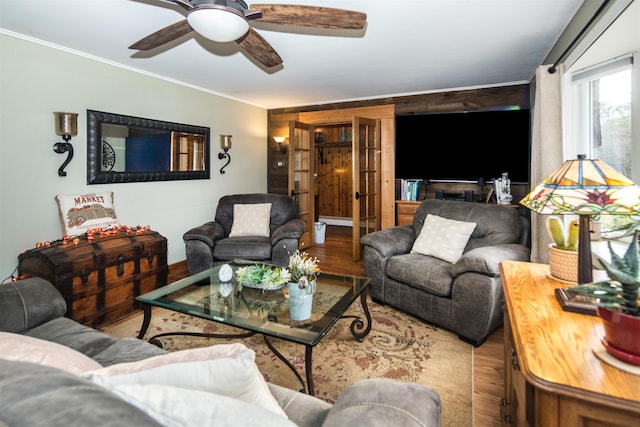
(335, 135)
(333, 144)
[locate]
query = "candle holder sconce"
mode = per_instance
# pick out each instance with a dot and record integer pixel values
(66, 127)
(225, 145)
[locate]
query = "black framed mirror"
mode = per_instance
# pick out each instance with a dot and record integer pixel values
(134, 149)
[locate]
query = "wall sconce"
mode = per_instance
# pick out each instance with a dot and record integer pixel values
(225, 144)
(280, 140)
(66, 127)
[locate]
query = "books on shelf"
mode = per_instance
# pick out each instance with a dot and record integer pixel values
(409, 189)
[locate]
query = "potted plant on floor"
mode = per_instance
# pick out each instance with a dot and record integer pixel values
(617, 302)
(563, 252)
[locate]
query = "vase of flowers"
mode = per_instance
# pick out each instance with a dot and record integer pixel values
(304, 271)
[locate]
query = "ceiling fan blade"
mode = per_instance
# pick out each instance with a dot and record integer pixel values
(310, 16)
(163, 36)
(259, 48)
(183, 4)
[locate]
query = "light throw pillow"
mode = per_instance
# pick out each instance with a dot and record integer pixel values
(251, 220)
(81, 212)
(24, 348)
(226, 369)
(443, 238)
(179, 407)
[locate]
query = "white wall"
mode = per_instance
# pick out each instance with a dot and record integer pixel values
(36, 80)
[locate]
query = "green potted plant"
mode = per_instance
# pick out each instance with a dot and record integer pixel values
(563, 252)
(617, 301)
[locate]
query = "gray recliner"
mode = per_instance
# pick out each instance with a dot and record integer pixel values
(209, 244)
(464, 297)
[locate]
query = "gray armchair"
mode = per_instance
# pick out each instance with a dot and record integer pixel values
(210, 244)
(464, 297)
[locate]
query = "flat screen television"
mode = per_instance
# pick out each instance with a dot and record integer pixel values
(464, 146)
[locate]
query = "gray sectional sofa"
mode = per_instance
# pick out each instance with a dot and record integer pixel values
(35, 394)
(464, 296)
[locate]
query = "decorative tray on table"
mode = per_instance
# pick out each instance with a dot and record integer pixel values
(263, 276)
(264, 287)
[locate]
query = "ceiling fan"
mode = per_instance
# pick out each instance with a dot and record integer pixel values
(229, 20)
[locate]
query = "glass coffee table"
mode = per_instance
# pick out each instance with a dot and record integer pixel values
(264, 312)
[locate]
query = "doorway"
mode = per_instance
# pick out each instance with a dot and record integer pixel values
(374, 206)
(332, 174)
(347, 176)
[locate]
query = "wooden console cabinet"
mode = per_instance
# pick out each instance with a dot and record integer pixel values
(99, 278)
(405, 210)
(552, 376)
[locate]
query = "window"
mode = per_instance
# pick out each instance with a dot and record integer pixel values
(599, 122)
(602, 113)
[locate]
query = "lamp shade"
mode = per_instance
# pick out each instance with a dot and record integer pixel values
(218, 23)
(584, 187)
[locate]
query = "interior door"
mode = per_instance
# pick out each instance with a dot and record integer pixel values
(365, 160)
(301, 146)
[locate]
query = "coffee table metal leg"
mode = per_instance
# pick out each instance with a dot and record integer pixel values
(154, 339)
(146, 308)
(309, 385)
(358, 328)
(307, 367)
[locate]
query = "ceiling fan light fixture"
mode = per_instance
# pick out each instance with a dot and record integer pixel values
(218, 23)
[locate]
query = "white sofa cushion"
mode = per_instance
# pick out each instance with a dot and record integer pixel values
(252, 219)
(226, 369)
(29, 349)
(180, 407)
(443, 238)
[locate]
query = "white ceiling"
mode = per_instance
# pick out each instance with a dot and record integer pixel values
(407, 47)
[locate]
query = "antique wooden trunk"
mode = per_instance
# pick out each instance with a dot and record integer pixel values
(100, 277)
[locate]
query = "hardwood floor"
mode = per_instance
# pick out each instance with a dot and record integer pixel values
(488, 366)
(488, 380)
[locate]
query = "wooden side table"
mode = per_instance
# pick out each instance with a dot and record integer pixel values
(406, 209)
(552, 376)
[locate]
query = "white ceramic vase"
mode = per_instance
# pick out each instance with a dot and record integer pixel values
(301, 300)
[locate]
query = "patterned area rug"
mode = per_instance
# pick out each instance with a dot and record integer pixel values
(399, 347)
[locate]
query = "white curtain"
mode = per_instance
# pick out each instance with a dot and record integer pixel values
(547, 152)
